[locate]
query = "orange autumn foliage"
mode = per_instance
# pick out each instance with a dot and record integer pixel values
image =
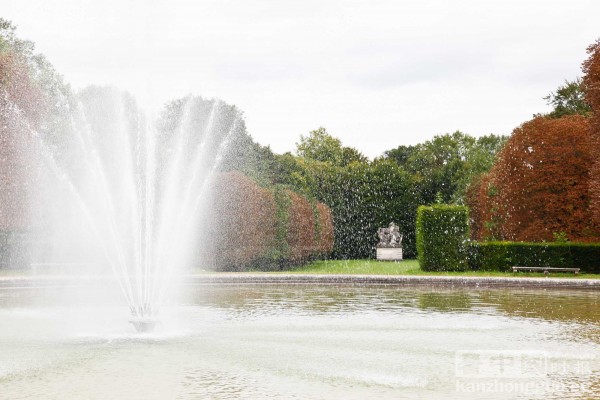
(540, 184)
(591, 85)
(325, 242)
(243, 226)
(301, 227)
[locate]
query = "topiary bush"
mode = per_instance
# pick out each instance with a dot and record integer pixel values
(500, 256)
(443, 237)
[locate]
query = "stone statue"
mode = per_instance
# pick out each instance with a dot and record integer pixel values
(390, 243)
(390, 237)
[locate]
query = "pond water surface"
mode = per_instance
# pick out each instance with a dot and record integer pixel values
(303, 342)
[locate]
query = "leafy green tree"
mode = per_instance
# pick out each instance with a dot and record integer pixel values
(297, 173)
(400, 154)
(444, 166)
(480, 159)
(242, 153)
(362, 195)
(568, 99)
(365, 195)
(321, 146)
(250, 157)
(437, 165)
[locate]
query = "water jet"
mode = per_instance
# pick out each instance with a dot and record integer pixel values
(127, 190)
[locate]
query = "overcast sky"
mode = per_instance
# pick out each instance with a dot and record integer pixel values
(376, 74)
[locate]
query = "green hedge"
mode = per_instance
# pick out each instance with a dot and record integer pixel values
(443, 237)
(500, 256)
(283, 204)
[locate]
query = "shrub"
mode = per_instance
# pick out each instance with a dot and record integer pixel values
(263, 228)
(325, 230)
(281, 249)
(362, 196)
(243, 221)
(443, 237)
(500, 256)
(301, 228)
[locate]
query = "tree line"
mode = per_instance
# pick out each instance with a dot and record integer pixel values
(362, 194)
(540, 184)
(367, 194)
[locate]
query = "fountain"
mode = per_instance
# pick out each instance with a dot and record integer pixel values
(144, 325)
(128, 191)
(132, 195)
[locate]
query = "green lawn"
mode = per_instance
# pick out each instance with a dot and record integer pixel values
(350, 267)
(406, 267)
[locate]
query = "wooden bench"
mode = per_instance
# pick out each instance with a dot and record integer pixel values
(545, 270)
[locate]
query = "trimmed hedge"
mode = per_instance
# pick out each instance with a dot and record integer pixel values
(443, 237)
(301, 228)
(251, 226)
(281, 250)
(324, 230)
(500, 256)
(243, 224)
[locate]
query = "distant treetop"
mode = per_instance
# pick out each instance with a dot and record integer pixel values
(321, 146)
(569, 99)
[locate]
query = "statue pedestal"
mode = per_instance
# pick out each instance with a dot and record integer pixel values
(389, 253)
(389, 247)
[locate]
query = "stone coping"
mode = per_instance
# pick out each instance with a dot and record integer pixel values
(232, 278)
(396, 280)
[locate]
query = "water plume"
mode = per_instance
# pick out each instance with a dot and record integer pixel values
(129, 191)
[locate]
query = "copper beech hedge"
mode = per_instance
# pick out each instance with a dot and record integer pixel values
(300, 227)
(254, 227)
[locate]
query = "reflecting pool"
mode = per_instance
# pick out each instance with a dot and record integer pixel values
(303, 342)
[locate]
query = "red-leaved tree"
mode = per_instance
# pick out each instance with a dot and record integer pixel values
(591, 86)
(540, 184)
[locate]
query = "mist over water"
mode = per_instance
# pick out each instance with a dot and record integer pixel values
(124, 191)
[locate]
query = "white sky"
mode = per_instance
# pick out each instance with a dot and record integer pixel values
(376, 74)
